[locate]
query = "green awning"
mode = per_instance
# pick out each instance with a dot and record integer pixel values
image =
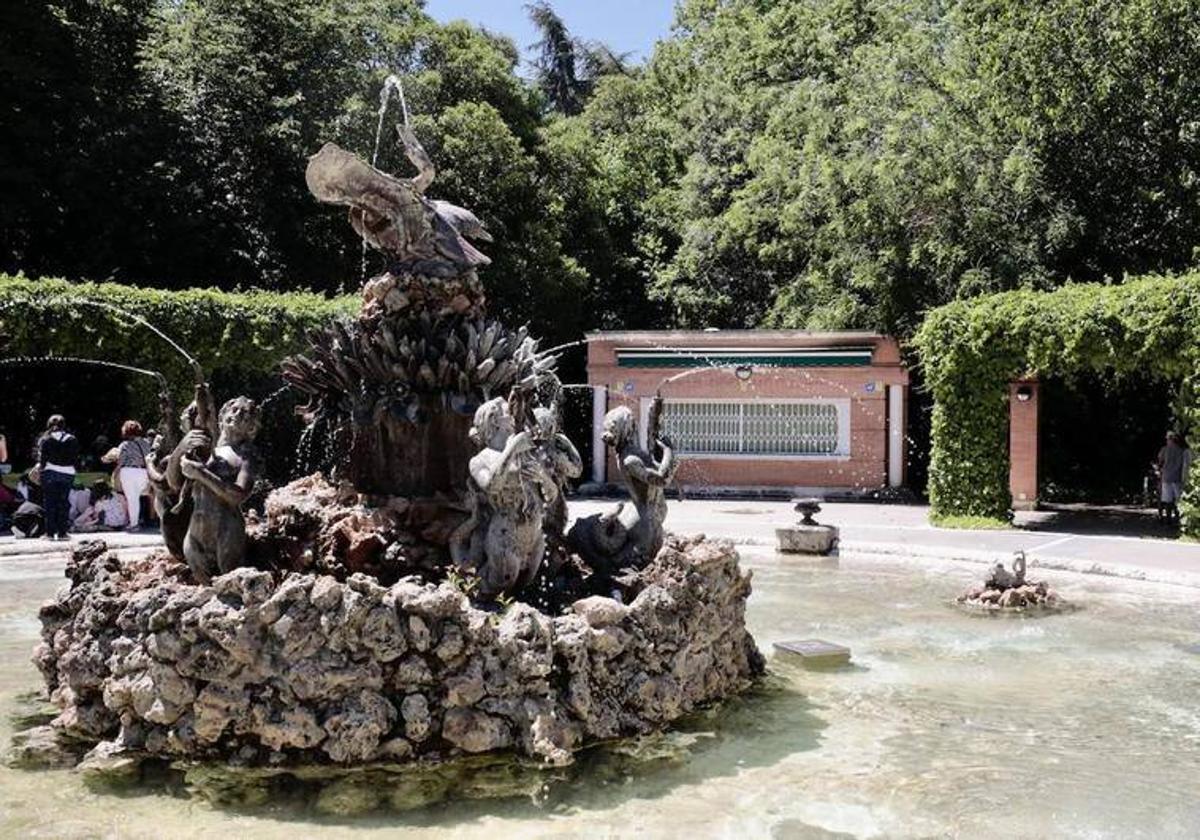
(692, 357)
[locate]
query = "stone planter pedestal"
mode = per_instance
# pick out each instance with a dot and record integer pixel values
(807, 539)
(808, 536)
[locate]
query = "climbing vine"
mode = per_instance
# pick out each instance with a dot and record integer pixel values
(239, 338)
(971, 350)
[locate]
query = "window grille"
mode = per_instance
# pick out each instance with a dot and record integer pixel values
(752, 428)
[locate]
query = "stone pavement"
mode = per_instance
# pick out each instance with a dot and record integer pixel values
(10, 546)
(1094, 544)
(885, 529)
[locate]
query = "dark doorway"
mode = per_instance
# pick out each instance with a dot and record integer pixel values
(1099, 437)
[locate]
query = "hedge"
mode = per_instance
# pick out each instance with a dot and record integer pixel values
(238, 337)
(971, 350)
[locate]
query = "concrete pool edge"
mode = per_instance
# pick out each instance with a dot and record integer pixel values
(872, 550)
(1075, 565)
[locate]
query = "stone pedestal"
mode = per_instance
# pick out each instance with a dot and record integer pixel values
(806, 539)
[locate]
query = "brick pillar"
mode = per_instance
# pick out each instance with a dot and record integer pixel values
(1023, 443)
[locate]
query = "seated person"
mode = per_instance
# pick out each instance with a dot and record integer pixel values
(107, 511)
(29, 521)
(28, 490)
(79, 499)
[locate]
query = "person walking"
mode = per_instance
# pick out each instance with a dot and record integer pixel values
(131, 467)
(1174, 461)
(58, 451)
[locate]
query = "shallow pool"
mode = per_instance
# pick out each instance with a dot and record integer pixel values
(1085, 724)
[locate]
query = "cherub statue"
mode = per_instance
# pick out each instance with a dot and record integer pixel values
(216, 535)
(200, 414)
(173, 512)
(638, 528)
(509, 487)
(393, 215)
(562, 461)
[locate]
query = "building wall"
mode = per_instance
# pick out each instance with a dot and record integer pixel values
(865, 386)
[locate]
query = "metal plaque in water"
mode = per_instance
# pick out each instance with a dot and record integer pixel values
(814, 652)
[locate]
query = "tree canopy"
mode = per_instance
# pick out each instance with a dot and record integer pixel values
(800, 163)
(843, 163)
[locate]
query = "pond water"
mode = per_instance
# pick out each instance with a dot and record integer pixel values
(1085, 724)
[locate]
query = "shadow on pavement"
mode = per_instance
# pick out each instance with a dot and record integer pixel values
(1098, 520)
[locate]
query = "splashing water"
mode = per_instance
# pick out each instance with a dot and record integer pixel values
(391, 85)
(271, 397)
(16, 361)
(133, 316)
(565, 346)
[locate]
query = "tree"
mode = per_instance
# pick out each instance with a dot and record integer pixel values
(567, 69)
(610, 165)
(851, 163)
(83, 135)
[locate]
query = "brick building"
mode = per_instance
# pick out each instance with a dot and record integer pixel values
(781, 410)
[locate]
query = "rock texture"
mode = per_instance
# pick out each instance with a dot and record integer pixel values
(1009, 591)
(1028, 595)
(265, 670)
(316, 525)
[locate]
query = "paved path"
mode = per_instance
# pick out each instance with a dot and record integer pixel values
(866, 529)
(904, 529)
(10, 546)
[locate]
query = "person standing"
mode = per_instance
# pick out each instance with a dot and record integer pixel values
(1174, 461)
(131, 466)
(58, 451)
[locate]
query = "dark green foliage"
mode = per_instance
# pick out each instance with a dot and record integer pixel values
(164, 143)
(792, 163)
(238, 338)
(851, 163)
(971, 350)
(85, 145)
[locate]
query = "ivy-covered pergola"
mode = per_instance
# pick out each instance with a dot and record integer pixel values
(973, 351)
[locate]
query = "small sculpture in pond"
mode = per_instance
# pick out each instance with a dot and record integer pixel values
(393, 215)
(502, 539)
(215, 542)
(1005, 590)
(1001, 578)
(630, 536)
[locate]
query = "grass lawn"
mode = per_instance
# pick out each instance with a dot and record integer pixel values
(970, 523)
(82, 479)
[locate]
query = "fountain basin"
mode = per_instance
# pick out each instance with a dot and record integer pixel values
(909, 743)
(309, 669)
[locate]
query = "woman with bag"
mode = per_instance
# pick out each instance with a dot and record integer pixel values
(131, 470)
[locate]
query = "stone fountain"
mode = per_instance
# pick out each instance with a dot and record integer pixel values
(419, 601)
(1007, 590)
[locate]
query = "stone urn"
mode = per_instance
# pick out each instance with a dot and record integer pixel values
(807, 536)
